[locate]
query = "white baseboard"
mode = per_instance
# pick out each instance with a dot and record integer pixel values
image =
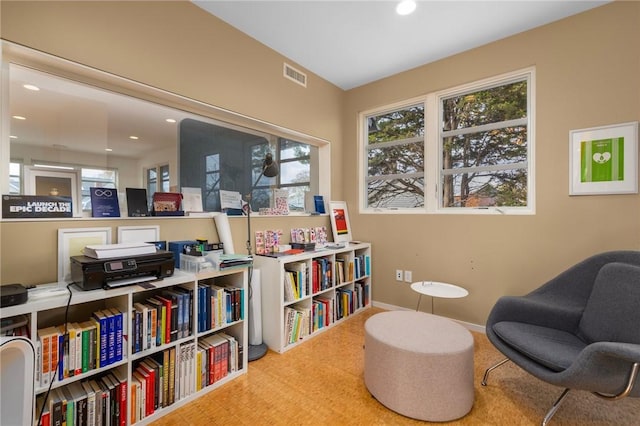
(470, 326)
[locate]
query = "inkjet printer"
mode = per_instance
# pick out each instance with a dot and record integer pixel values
(89, 273)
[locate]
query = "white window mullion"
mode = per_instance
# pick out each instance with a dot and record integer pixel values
(432, 156)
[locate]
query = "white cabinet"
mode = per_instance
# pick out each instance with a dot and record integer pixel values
(208, 351)
(306, 293)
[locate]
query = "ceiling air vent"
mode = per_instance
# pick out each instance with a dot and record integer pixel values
(295, 75)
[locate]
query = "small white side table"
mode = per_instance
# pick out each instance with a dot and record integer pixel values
(437, 289)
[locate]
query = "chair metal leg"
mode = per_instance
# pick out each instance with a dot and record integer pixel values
(554, 408)
(490, 369)
(633, 374)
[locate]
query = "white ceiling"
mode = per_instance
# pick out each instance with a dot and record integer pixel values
(351, 43)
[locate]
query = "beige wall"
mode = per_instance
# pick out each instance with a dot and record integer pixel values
(588, 74)
(588, 69)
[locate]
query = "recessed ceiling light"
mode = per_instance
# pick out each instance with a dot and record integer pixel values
(31, 87)
(135, 138)
(108, 149)
(406, 7)
(19, 117)
(13, 137)
(170, 120)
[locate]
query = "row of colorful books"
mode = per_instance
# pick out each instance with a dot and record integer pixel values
(74, 348)
(299, 283)
(352, 269)
(162, 318)
(321, 274)
(218, 305)
(349, 301)
(217, 356)
(165, 377)
(296, 284)
(361, 266)
(323, 311)
(160, 380)
(297, 324)
(99, 401)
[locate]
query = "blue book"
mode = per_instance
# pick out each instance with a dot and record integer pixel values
(111, 336)
(118, 322)
(318, 204)
(104, 202)
(102, 320)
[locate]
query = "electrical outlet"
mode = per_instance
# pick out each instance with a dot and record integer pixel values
(408, 276)
(398, 274)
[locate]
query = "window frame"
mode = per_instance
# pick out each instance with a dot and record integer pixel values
(433, 148)
(11, 53)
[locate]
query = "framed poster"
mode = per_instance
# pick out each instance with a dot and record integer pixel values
(138, 234)
(340, 221)
(55, 183)
(104, 202)
(604, 160)
(72, 241)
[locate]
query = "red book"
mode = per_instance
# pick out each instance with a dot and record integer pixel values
(167, 328)
(150, 390)
(123, 392)
(151, 378)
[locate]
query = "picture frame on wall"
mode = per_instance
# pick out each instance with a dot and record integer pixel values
(138, 234)
(340, 224)
(604, 160)
(71, 242)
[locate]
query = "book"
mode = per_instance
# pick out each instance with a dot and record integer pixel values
(108, 251)
(118, 318)
(111, 336)
(91, 403)
(166, 202)
(192, 200)
(167, 317)
(70, 415)
(137, 202)
(149, 381)
(172, 374)
(57, 408)
(123, 392)
(160, 319)
(104, 202)
(100, 400)
(80, 403)
(142, 328)
(135, 386)
(154, 370)
(318, 204)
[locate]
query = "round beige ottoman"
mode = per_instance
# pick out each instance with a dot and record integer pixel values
(419, 365)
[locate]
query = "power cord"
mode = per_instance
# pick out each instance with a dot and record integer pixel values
(46, 395)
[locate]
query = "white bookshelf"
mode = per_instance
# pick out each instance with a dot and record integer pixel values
(275, 306)
(46, 312)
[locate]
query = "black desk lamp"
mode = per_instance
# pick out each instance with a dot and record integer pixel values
(269, 169)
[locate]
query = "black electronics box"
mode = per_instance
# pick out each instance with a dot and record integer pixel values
(12, 294)
(91, 274)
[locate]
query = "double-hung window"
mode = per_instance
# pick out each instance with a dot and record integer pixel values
(395, 158)
(466, 149)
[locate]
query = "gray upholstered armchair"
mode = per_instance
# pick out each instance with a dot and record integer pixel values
(581, 330)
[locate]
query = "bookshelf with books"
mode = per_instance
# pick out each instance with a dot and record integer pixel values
(131, 354)
(304, 294)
